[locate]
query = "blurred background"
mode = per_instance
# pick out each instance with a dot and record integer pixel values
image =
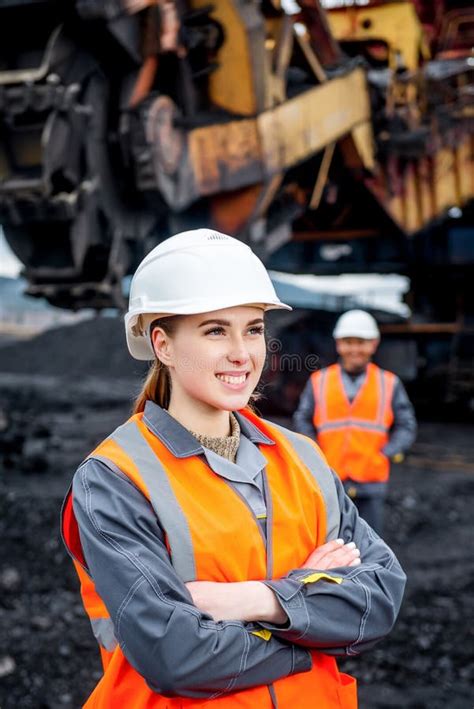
(337, 140)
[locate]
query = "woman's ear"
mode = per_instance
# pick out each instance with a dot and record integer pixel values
(162, 345)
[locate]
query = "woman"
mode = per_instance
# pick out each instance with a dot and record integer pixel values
(220, 562)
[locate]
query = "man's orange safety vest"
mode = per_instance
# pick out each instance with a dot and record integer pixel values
(217, 520)
(352, 435)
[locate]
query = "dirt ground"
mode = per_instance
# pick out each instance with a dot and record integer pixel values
(48, 657)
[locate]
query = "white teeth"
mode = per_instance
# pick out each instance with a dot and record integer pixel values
(231, 380)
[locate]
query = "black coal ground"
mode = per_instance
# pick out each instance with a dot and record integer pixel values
(48, 656)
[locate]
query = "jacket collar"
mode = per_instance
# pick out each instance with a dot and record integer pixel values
(180, 441)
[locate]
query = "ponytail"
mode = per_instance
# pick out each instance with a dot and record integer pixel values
(156, 387)
(157, 384)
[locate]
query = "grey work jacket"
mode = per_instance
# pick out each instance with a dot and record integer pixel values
(183, 652)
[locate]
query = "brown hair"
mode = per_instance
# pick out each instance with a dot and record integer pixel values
(157, 384)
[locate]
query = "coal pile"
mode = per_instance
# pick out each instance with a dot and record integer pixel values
(46, 654)
(53, 415)
(94, 347)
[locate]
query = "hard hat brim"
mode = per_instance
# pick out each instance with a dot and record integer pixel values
(359, 335)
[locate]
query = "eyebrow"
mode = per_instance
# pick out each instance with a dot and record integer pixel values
(227, 323)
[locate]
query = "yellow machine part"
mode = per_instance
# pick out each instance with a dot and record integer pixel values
(414, 192)
(238, 153)
(464, 158)
(307, 123)
(425, 190)
(396, 24)
(237, 85)
(411, 204)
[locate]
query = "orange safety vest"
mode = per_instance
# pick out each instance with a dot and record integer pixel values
(216, 518)
(352, 435)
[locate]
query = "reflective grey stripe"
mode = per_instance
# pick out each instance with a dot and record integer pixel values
(162, 497)
(273, 696)
(321, 403)
(321, 473)
(377, 425)
(381, 411)
(104, 633)
(352, 423)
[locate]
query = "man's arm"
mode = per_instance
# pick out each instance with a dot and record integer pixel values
(178, 650)
(403, 431)
(304, 414)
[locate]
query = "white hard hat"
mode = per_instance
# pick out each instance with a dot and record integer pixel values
(356, 323)
(194, 272)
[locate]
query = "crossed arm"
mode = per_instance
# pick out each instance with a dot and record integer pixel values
(253, 601)
(198, 640)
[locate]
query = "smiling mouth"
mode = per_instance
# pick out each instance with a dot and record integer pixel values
(228, 379)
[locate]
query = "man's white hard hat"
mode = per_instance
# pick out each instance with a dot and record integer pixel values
(356, 323)
(194, 272)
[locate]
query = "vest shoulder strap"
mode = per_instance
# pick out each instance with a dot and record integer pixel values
(319, 379)
(155, 482)
(386, 383)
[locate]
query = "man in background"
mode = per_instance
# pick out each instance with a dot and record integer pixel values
(359, 414)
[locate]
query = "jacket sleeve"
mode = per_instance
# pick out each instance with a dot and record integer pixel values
(304, 414)
(176, 648)
(346, 610)
(403, 431)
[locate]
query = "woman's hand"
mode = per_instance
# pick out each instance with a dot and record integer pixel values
(247, 601)
(332, 555)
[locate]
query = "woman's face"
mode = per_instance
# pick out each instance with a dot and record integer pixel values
(215, 358)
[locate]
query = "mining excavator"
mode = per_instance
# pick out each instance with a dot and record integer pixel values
(291, 124)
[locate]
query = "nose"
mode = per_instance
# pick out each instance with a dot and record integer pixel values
(238, 352)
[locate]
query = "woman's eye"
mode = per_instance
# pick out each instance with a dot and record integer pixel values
(257, 330)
